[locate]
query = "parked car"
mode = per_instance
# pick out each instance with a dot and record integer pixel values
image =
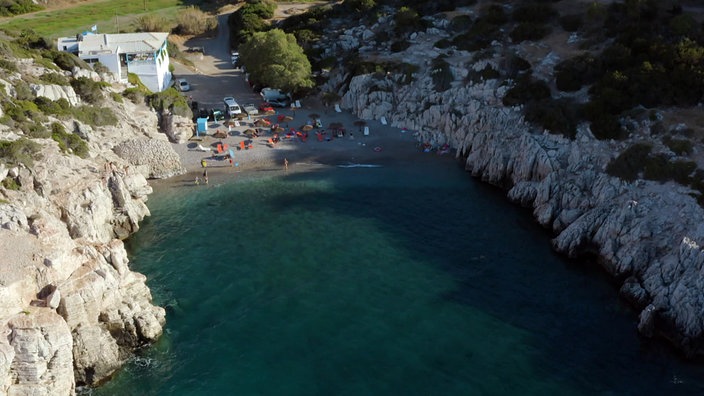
(266, 107)
(250, 109)
(231, 106)
(183, 85)
(279, 102)
(216, 115)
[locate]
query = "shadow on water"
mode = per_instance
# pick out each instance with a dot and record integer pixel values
(502, 264)
(263, 261)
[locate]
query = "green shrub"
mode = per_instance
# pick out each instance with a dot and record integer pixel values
(442, 43)
(407, 20)
(192, 21)
(10, 184)
(135, 95)
(559, 116)
(495, 15)
(94, 116)
(513, 65)
(400, 45)
(571, 74)
(59, 107)
(172, 100)
(526, 89)
(678, 146)
(100, 68)
(23, 110)
(88, 90)
(67, 61)
(21, 151)
(571, 23)
(116, 97)
(478, 37)
(68, 142)
(152, 23)
(22, 90)
(10, 8)
(35, 130)
(441, 74)
(460, 23)
(487, 73)
(534, 13)
(8, 65)
(529, 31)
(630, 162)
(54, 78)
(603, 124)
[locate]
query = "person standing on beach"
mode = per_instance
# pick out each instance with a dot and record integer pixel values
(203, 163)
(285, 165)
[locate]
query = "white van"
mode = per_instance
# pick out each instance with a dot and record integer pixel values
(231, 106)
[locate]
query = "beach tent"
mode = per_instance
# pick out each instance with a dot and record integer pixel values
(201, 126)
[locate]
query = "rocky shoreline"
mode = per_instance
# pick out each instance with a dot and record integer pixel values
(71, 309)
(647, 235)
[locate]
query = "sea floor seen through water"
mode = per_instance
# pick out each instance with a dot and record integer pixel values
(404, 279)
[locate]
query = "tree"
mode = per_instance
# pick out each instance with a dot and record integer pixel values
(274, 59)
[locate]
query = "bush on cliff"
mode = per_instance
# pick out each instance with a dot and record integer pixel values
(526, 89)
(59, 108)
(20, 151)
(630, 162)
(528, 31)
(678, 146)
(441, 74)
(559, 116)
(68, 142)
(94, 116)
(89, 90)
(193, 21)
(171, 100)
(571, 74)
(54, 78)
(66, 61)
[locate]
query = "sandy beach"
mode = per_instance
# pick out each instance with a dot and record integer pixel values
(384, 143)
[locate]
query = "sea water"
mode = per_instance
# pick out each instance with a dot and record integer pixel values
(409, 278)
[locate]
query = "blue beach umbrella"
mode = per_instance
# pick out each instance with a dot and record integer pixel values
(232, 153)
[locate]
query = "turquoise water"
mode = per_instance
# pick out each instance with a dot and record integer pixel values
(408, 279)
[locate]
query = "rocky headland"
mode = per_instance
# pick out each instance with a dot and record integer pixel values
(71, 310)
(646, 234)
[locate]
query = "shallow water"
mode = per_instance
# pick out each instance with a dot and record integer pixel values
(408, 279)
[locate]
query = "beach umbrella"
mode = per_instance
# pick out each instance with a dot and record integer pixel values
(313, 115)
(232, 153)
(260, 123)
(306, 128)
(288, 118)
(249, 132)
(360, 123)
(241, 116)
(335, 125)
(279, 130)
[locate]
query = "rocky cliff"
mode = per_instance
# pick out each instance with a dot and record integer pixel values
(71, 309)
(647, 235)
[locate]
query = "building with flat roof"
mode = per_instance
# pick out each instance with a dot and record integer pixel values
(143, 54)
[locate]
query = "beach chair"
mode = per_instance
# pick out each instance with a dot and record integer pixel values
(320, 136)
(270, 142)
(218, 148)
(366, 131)
(298, 104)
(383, 120)
(242, 146)
(337, 108)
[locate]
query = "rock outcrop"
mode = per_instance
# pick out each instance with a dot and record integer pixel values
(71, 310)
(647, 235)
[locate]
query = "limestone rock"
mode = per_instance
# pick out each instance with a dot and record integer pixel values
(95, 353)
(43, 362)
(159, 157)
(56, 92)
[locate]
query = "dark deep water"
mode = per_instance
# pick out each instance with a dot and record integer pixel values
(408, 279)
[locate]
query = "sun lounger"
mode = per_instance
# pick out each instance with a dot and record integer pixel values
(270, 142)
(219, 148)
(383, 120)
(242, 146)
(201, 148)
(337, 108)
(366, 131)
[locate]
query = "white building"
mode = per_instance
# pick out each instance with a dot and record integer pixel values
(143, 54)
